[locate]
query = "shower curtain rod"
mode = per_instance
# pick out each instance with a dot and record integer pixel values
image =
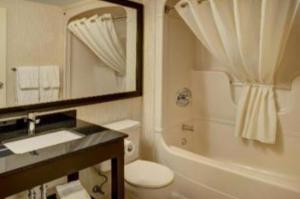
(115, 18)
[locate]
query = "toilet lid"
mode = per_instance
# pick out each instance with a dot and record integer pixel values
(147, 174)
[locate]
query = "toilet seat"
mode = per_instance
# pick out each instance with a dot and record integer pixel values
(147, 174)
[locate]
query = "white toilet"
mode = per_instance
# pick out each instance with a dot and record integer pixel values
(144, 179)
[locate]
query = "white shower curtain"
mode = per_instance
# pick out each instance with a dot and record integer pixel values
(99, 34)
(249, 38)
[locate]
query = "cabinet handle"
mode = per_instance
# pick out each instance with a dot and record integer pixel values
(1, 85)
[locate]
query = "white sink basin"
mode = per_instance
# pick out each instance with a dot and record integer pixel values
(41, 141)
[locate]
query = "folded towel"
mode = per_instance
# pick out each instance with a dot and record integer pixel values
(49, 83)
(25, 97)
(49, 77)
(27, 85)
(49, 95)
(73, 190)
(28, 77)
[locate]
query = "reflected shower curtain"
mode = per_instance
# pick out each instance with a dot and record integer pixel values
(249, 38)
(99, 34)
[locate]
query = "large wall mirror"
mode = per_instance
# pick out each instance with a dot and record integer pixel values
(58, 53)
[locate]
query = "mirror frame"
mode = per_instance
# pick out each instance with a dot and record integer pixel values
(70, 103)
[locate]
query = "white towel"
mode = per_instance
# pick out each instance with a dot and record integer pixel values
(28, 77)
(73, 190)
(49, 95)
(27, 85)
(49, 77)
(25, 97)
(49, 83)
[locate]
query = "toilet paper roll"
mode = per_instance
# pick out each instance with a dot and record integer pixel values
(129, 147)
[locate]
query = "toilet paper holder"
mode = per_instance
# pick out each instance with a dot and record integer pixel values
(129, 147)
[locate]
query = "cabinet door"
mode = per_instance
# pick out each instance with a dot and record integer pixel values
(3, 23)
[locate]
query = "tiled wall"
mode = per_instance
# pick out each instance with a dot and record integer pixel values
(112, 111)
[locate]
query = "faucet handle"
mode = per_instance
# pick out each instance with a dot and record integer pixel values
(37, 121)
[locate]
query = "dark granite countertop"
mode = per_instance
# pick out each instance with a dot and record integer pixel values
(93, 135)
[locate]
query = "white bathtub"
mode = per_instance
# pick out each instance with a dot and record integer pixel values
(207, 178)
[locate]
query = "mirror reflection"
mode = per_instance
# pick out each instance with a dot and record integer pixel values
(53, 50)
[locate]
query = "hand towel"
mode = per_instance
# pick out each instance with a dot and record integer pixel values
(25, 97)
(28, 77)
(49, 77)
(49, 83)
(49, 95)
(73, 190)
(27, 85)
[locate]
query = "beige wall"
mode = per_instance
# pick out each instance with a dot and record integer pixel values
(112, 111)
(89, 75)
(31, 39)
(3, 34)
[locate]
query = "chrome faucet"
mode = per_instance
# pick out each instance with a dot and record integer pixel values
(32, 121)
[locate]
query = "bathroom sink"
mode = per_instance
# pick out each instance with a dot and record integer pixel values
(41, 141)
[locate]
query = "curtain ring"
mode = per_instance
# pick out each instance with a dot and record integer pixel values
(105, 19)
(201, 1)
(183, 5)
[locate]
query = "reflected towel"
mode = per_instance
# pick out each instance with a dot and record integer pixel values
(73, 190)
(28, 77)
(49, 95)
(49, 83)
(25, 97)
(27, 85)
(49, 77)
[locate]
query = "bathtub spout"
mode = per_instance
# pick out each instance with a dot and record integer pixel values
(186, 127)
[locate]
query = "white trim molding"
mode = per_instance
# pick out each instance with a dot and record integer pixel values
(3, 35)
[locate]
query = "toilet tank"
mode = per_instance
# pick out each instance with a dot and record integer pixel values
(133, 130)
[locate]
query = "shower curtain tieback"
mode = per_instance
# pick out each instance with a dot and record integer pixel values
(249, 38)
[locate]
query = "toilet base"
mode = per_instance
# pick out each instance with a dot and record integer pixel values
(143, 193)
